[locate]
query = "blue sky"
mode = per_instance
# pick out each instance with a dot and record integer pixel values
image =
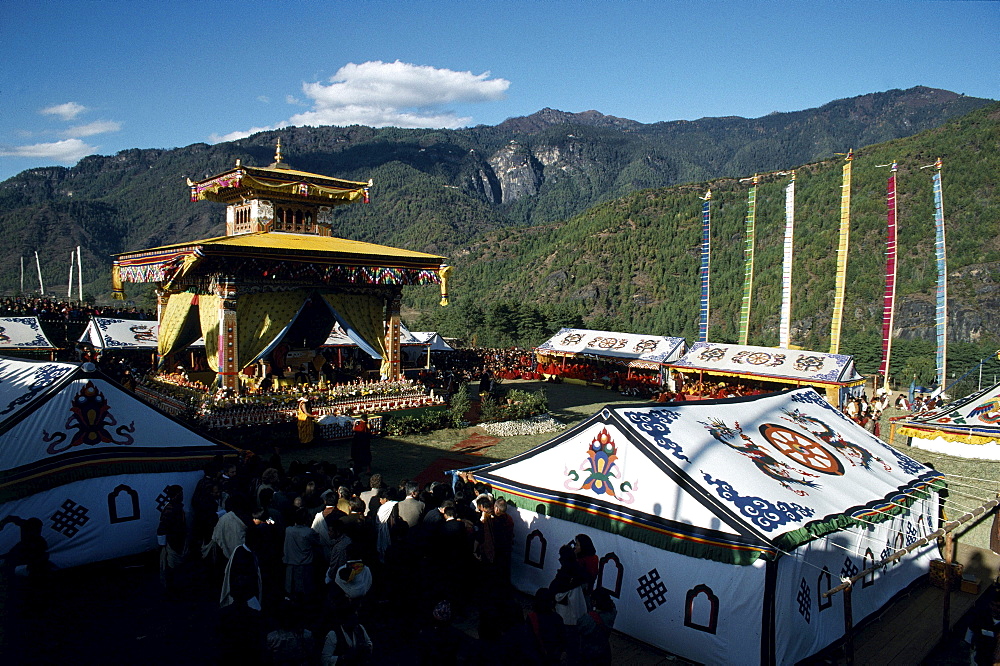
(89, 76)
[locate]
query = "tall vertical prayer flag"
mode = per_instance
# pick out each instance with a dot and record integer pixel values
(785, 327)
(706, 233)
(748, 263)
(941, 314)
(840, 286)
(889, 301)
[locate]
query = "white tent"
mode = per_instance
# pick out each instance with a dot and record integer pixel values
(90, 460)
(433, 339)
(718, 524)
(968, 427)
(23, 333)
(110, 333)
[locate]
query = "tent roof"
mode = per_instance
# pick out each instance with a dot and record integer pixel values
(974, 419)
(23, 333)
(625, 346)
(770, 363)
(433, 339)
(109, 333)
(729, 480)
(63, 422)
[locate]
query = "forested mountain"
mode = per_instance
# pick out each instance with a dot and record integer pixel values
(632, 264)
(560, 210)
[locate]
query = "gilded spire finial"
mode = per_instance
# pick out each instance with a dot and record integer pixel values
(277, 152)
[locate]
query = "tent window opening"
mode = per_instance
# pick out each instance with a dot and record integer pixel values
(701, 609)
(617, 574)
(534, 550)
(824, 584)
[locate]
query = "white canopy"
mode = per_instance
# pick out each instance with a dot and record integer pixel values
(606, 344)
(89, 459)
(433, 339)
(968, 427)
(770, 363)
(23, 333)
(719, 523)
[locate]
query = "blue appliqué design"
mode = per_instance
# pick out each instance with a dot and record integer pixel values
(810, 397)
(655, 423)
(44, 377)
(763, 513)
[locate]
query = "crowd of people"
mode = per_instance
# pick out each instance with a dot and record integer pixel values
(69, 310)
(315, 564)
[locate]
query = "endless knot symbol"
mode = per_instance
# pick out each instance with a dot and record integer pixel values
(651, 590)
(161, 500)
(804, 599)
(70, 518)
(911, 533)
(850, 569)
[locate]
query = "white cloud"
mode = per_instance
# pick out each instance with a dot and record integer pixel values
(90, 129)
(395, 94)
(69, 150)
(67, 111)
(264, 99)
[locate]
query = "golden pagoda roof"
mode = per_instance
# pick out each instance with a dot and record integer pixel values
(279, 181)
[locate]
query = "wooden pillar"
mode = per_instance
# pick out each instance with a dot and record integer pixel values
(848, 627)
(228, 346)
(392, 335)
(949, 557)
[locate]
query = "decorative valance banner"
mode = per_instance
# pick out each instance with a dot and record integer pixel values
(706, 250)
(785, 326)
(889, 301)
(748, 262)
(941, 314)
(840, 286)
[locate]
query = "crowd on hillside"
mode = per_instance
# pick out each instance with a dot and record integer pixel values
(316, 564)
(49, 308)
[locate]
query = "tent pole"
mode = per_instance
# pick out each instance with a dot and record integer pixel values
(848, 627)
(949, 558)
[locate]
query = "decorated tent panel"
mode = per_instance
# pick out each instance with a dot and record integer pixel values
(23, 333)
(770, 363)
(766, 489)
(967, 427)
(124, 334)
(86, 457)
(625, 346)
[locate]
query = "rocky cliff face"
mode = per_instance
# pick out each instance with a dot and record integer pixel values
(518, 172)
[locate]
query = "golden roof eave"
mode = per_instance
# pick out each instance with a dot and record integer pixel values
(292, 247)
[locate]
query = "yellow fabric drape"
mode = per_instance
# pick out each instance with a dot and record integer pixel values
(261, 318)
(366, 315)
(117, 288)
(208, 316)
(178, 328)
